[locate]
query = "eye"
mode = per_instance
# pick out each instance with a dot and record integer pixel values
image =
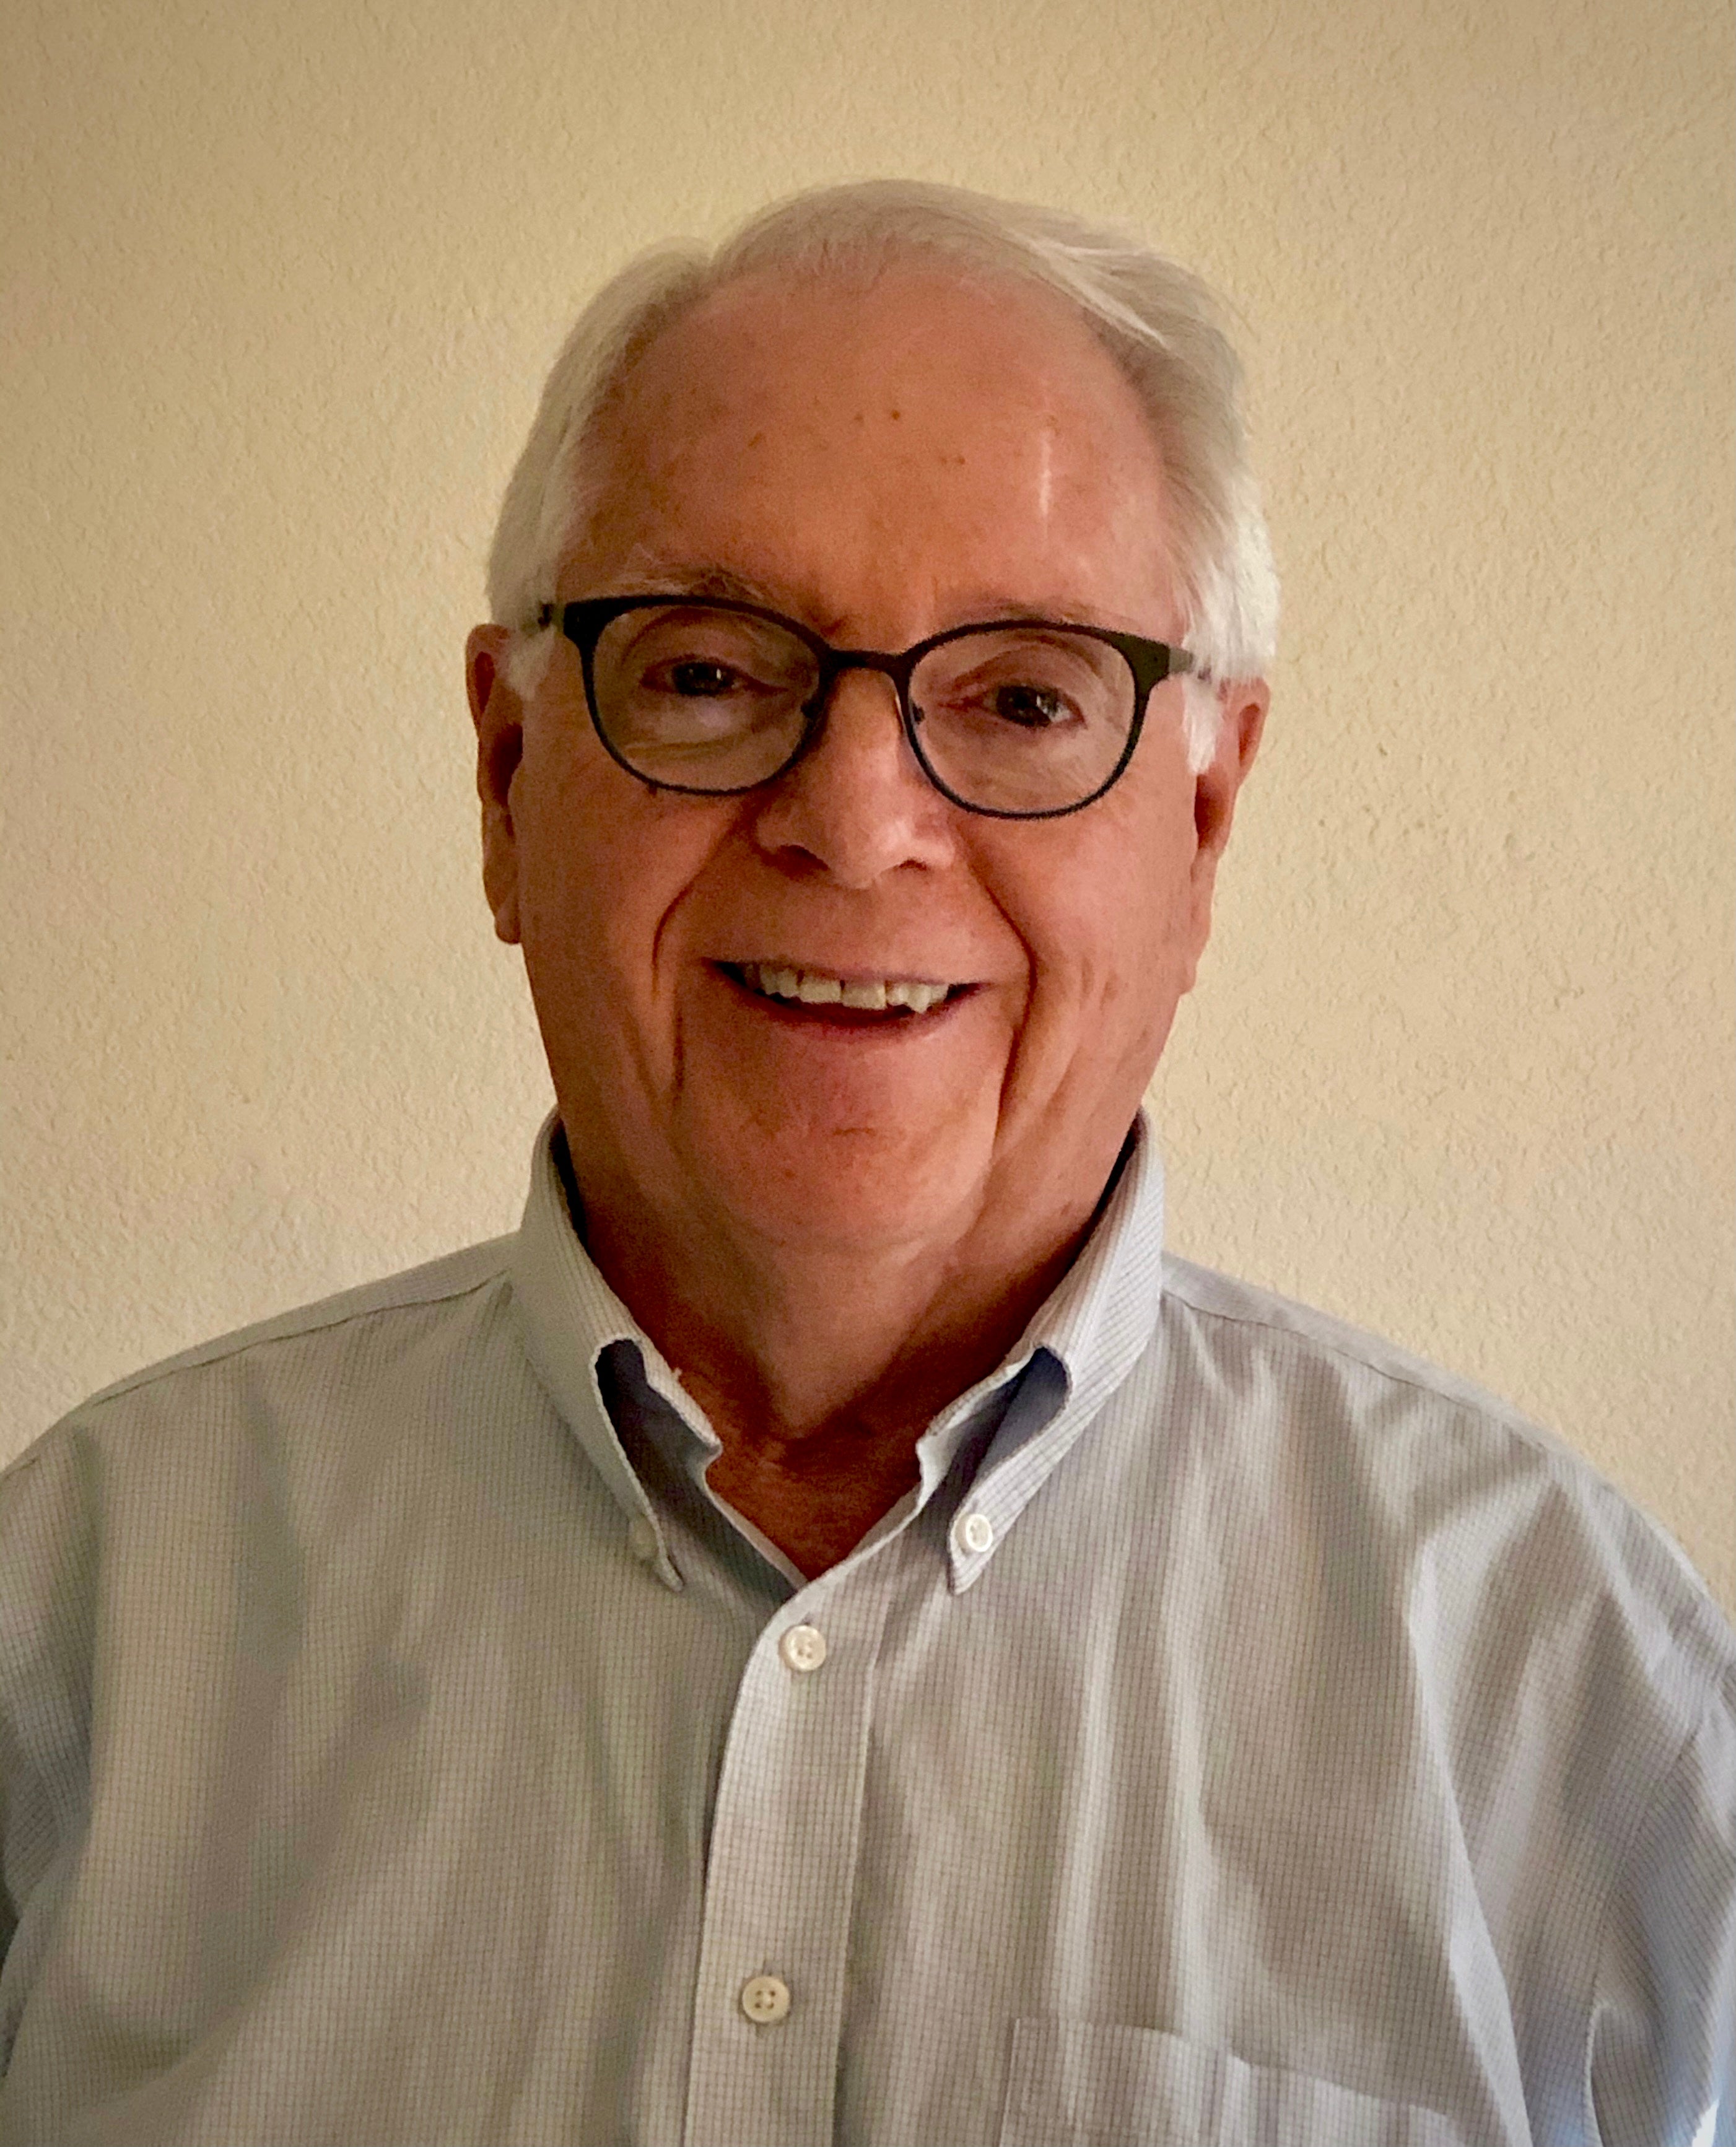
(697, 678)
(1031, 707)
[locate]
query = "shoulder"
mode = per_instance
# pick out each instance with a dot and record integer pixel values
(299, 1362)
(402, 1298)
(1489, 1524)
(1236, 1315)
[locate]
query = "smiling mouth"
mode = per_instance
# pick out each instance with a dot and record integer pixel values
(891, 999)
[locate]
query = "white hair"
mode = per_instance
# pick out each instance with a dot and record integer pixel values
(1162, 325)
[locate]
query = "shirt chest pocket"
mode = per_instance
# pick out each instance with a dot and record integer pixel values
(1087, 2083)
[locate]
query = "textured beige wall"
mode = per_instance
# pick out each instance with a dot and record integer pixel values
(280, 281)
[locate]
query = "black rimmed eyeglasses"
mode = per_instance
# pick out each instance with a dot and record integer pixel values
(1020, 718)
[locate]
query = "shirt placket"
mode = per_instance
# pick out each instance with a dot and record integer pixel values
(768, 2005)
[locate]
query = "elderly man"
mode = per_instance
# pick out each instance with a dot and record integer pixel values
(827, 1635)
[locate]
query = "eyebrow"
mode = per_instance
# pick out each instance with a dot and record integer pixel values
(647, 576)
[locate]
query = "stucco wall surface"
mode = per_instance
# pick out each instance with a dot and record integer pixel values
(280, 286)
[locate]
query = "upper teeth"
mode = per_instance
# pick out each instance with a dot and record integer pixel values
(813, 987)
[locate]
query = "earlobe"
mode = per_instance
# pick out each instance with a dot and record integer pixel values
(498, 715)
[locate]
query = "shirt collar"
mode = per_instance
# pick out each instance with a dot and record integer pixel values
(1079, 1346)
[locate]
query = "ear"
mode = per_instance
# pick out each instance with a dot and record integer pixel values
(498, 715)
(1241, 721)
(1242, 704)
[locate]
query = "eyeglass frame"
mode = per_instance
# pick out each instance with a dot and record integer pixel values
(583, 622)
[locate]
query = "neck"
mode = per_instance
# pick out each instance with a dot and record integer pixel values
(820, 1366)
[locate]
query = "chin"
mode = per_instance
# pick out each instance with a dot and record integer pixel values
(848, 1191)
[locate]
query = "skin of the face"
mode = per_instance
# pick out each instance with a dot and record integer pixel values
(881, 458)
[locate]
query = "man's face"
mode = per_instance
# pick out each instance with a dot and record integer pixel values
(881, 461)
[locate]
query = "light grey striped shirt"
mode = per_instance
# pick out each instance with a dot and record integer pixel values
(1245, 1734)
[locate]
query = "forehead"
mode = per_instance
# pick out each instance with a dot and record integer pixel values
(916, 423)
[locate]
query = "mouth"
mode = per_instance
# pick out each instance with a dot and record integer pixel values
(857, 1000)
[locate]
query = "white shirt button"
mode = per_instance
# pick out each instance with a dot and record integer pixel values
(642, 1540)
(973, 1532)
(765, 1999)
(802, 1647)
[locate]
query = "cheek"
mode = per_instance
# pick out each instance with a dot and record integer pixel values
(603, 867)
(560, 885)
(1109, 923)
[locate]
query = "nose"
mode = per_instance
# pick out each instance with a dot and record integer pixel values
(857, 804)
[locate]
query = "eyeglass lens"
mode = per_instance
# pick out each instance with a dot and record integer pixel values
(1015, 718)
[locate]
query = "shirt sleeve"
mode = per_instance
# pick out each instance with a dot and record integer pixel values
(1662, 2045)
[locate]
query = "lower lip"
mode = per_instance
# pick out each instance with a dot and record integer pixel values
(834, 1015)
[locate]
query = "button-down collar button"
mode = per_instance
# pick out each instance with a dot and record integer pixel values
(973, 1532)
(765, 1999)
(642, 1540)
(802, 1647)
